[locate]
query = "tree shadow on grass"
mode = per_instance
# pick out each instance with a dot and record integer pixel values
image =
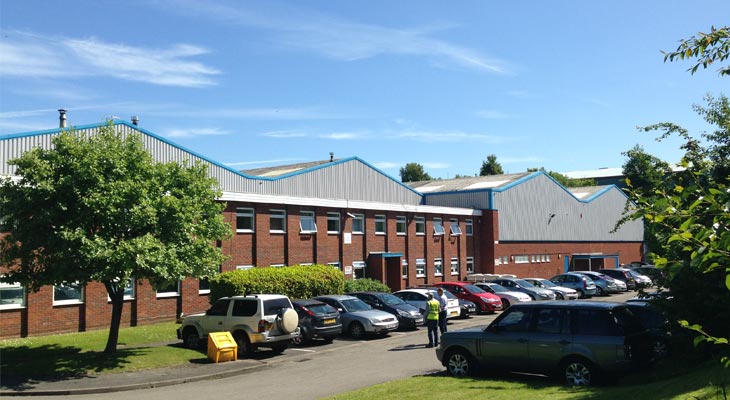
(22, 366)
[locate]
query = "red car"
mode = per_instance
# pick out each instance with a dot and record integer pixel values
(487, 302)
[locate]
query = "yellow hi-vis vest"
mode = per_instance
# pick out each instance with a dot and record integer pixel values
(433, 309)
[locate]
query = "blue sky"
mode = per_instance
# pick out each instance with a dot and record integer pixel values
(559, 84)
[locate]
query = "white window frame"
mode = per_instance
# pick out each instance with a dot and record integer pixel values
(381, 220)
(401, 222)
(404, 268)
(248, 213)
(277, 265)
(306, 264)
(169, 294)
(469, 228)
(307, 216)
(133, 285)
(13, 305)
(244, 267)
(505, 260)
(358, 266)
(454, 266)
(358, 230)
(276, 214)
(335, 265)
(454, 227)
(470, 265)
(547, 258)
(420, 223)
(438, 226)
(80, 300)
(438, 267)
(420, 267)
(334, 218)
(522, 259)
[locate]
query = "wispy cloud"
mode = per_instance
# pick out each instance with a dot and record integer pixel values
(24, 54)
(443, 137)
(340, 136)
(492, 114)
(248, 113)
(437, 165)
(284, 134)
(193, 132)
(387, 165)
(343, 39)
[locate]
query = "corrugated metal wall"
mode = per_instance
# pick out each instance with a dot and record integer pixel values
(352, 180)
(476, 200)
(540, 210)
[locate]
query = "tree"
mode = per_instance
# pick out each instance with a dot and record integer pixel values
(490, 166)
(707, 48)
(413, 172)
(643, 171)
(98, 208)
(564, 180)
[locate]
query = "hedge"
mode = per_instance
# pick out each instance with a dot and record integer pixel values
(365, 285)
(297, 282)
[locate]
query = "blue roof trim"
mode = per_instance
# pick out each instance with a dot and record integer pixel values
(216, 163)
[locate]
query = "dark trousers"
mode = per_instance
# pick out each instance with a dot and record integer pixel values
(433, 335)
(442, 321)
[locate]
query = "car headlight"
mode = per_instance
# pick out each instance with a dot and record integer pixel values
(403, 313)
(543, 295)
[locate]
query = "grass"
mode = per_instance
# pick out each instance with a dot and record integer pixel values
(79, 354)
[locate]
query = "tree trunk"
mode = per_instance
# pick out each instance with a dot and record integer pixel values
(116, 294)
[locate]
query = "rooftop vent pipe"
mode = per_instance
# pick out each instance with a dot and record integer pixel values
(332, 156)
(61, 118)
(135, 120)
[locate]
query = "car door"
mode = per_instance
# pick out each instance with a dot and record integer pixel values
(215, 317)
(550, 338)
(505, 342)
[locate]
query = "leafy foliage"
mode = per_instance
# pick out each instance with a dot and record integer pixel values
(413, 172)
(490, 166)
(707, 48)
(97, 208)
(365, 285)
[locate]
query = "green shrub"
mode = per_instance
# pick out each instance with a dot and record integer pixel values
(365, 285)
(297, 282)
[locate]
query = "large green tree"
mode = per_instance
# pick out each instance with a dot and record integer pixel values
(413, 172)
(490, 166)
(98, 208)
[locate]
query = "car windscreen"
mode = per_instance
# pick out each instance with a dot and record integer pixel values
(547, 283)
(355, 305)
(321, 308)
(390, 300)
(474, 289)
(524, 283)
(498, 288)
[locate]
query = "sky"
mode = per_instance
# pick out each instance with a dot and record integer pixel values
(560, 85)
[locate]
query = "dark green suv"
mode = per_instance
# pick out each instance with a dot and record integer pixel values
(580, 341)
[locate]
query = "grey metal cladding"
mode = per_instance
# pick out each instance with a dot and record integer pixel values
(540, 210)
(472, 199)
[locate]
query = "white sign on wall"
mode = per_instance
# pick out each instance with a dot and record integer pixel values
(347, 238)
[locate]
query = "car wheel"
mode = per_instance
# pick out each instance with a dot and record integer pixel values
(600, 291)
(245, 349)
(581, 294)
(559, 296)
(659, 349)
(287, 320)
(459, 363)
(301, 339)
(279, 348)
(505, 304)
(190, 338)
(357, 331)
(578, 372)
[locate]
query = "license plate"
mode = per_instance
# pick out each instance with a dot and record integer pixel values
(392, 326)
(329, 321)
(454, 313)
(419, 320)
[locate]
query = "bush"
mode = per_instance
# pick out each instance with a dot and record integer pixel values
(297, 282)
(365, 285)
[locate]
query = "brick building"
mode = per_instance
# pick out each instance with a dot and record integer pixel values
(348, 214)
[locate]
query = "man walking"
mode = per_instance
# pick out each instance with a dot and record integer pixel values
(432, 320)
(443, 302)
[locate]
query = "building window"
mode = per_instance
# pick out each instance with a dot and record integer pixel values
(438, 267)
(404, 268)
(532, 258)
(420, 267)
(12, 295)
(306, 264)
(170, 290)
(420, 225)
(438, 227)
(380, 224)
(129, 290)
(505, 260)
(306, 222)
(244, 267)
(277, 221)
(335, 265)
(522, 259)
(547, 258)
(400, 225)
(454, 225)
(333, 222)
(68, 293)
(203, 286)
(470, 265)
(244, 219)
(358, 269)
(277, 265)
(358, 223)
(469, 227)
(454, 266)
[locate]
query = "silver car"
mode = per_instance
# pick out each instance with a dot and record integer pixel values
(521, 285)
(508, 297)
(561, 293)
(358, 318)
(605, 285)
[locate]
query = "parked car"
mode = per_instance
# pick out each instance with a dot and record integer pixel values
(581, 341)
(260, 320)
(409, 316)
(561, 293)
(622, 274)
(508, 297)
(655, 274)
(521, 285)
(657, 324)
(642, 281)
(358, 318)
(467, 308)
(580, 283)
(604, 283)
(417, 297)
(316, 320)
(487, 302)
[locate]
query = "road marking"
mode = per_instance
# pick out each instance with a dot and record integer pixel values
(304, 350)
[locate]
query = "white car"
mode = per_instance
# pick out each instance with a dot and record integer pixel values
(561, 292)
(417, 297)
(508, 297)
